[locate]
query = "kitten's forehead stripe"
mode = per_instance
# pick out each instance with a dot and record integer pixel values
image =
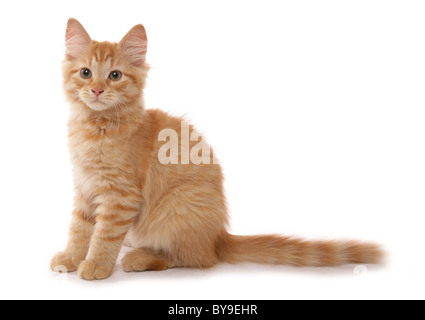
(102, 52)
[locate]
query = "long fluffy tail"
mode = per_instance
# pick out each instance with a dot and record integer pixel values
(273, 249)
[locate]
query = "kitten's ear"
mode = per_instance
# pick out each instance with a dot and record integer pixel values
(135, 44)
(77, 39)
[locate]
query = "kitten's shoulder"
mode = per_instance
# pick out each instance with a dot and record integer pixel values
(161, 119)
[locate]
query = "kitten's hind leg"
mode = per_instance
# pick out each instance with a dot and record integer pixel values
(143, 259)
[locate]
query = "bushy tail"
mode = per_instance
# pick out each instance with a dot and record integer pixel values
(273, 249)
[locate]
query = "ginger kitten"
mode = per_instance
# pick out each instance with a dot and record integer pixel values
(173, 215)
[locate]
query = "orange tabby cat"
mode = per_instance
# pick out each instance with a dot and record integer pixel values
(174, 215)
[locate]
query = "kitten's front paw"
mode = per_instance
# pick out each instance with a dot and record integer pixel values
(64, 262)
(89, 270)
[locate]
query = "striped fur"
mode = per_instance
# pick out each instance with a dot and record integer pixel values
(173, 215)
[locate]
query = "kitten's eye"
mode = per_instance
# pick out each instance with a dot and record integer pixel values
(115, 75)
(85, 73)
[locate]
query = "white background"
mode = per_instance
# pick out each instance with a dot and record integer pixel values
(316, 110)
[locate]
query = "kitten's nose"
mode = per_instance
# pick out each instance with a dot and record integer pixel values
(97, 92)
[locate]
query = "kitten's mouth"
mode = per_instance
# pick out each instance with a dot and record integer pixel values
(97, 105)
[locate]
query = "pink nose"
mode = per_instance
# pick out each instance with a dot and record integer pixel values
(97, 92)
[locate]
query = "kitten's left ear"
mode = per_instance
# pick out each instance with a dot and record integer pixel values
(135, 44)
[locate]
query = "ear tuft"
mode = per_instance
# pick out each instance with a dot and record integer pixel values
(77, 39)
(134, 45)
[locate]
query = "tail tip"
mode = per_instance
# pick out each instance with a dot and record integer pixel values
(366, 253)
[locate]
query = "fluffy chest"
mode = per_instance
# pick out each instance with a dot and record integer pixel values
(100, 158)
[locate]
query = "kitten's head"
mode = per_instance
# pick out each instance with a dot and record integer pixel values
(104, 75)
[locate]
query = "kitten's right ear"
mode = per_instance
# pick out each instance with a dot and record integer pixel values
(77, 39)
